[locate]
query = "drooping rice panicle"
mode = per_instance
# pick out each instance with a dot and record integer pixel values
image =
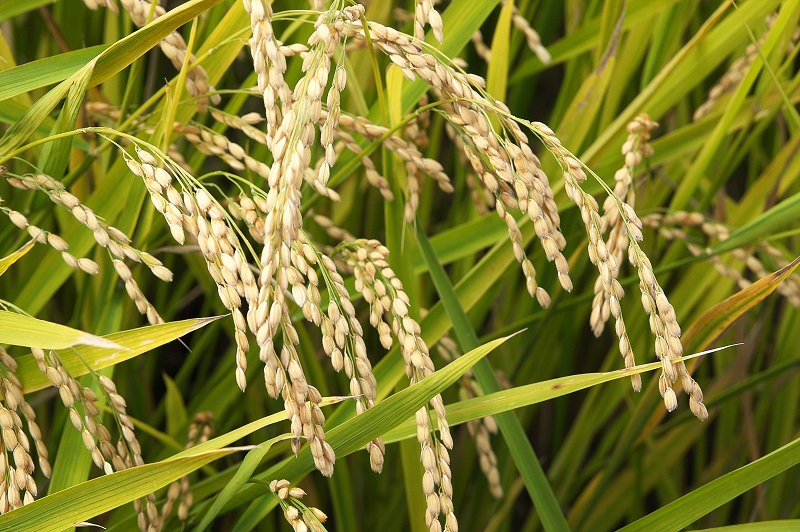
(389, 304)
(17, 484)
(610, 253)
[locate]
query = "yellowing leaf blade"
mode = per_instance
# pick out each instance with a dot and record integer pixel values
(497, 75)
(718, 318)
(129, 344)
(6, 262)
(17, 329)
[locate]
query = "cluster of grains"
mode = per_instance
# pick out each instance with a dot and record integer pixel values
(269, 62)
(41, 236)
(173, 46)
(267, 297)
(481, 429)
(245, 123)
(283, 371)
(663, 322)
(269, 314)
(86, 417)
(17, 486)
(664, 325)
(672, 227)
(521, 23)
(504, 162)
(736, 72)
(200, 431)
(408, 150)
(425, 13)
(234, 155)
(610, 254)
(383, 290)
(301, 517)
(112, 239)
(288, 258)
(346, 141)
(201, 217)
(342, 341)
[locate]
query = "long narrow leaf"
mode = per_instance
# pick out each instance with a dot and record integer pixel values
(80, 503)
(17, 329)
(521, 450)
(124, 346)
(6, 262)
(693, 506)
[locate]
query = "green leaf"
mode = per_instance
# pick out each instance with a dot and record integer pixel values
(17, 329)
(495, 403)
(6, 262)
(55, 155)
(19, 132)
(177, 418)
(12, 8)
(786, 525)
(582, 112)
(522, 452)
(709, 45)
(45, 71)
(497, 74)
(80, 503)
(714, 142)
(125, 51)
(691, 507)
(243, 474)
(128, 344)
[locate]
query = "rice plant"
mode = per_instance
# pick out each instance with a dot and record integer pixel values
(263, 259)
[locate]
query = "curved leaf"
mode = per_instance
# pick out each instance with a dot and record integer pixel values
(6, 262)
(18, 329)
(691, 507)
(719, 317)
(127, 345)
(45, 71)
(66, 508)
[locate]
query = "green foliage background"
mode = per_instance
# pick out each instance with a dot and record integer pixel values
(608, 457)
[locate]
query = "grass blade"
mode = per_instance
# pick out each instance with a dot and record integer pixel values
(80, 503)
(718, 318)
(129, 344)
(6, 262)
(249, 465)
(521, 450)
(18, 329)
(693, 506)
(45, 71)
